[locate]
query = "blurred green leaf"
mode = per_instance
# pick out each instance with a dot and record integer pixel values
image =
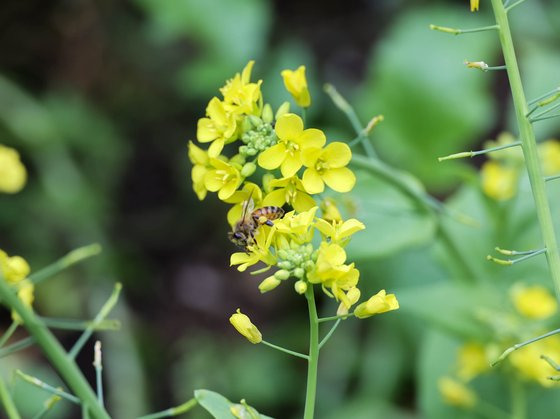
(218, 406)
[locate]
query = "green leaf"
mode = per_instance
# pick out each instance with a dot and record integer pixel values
(394, 220)
(220, 407)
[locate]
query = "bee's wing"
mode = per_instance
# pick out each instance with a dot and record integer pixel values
(248, 207)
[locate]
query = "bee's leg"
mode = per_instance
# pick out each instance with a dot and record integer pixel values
(269, 223)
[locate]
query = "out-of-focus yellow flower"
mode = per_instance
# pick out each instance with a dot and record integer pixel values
(338, 231)
(240, 95)
(550, 157)
(292, 139)
(219, 128)
(25, 294)
(14, 269)
(474, 5)
(201, 164)
(456, 393)
(377, 304)
(296, 84)
(499, 181)
(327, 165)
(534, 302)
(527, 360)
(243, 325)
(250, 191)
(12, 172)
(288, 190)
(329, 210)
(223, 178)
(471, 361)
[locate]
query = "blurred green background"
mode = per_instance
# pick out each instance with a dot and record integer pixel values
(101, 97)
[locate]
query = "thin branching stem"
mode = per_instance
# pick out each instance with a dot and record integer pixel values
(329, 334)
(172, 411)
(8, 333)
(287, 351)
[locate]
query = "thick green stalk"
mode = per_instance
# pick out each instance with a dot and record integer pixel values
(65, 366)
(7, 402)
(529, 145)
(313, 360)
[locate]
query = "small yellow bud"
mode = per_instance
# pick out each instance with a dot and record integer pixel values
(14, 269)
(379, 303)
(25, 294)
(268, 284)
(296, 84)
(243, 325)
(282, 110)
(481, 65)
(12, 172)
(248, 169)
(456, 393)
(300, 287)
(267, 115)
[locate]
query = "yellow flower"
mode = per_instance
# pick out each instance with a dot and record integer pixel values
(328, 166)
(250, 191)
(222, 177)
(351, 298)
(243, 325)
(240, 95)
(528, 363)
(534, 302)
(472, 361)
(220, 127)
(338, 231)
(474, 5)
(296, 84)
(456, 393)
(377, 304)
(292, 139)
(499, 181)
(25, 294)
(199, 159)
(14, 269)
(258, 252)
(329, 210)
(550, 156)
(298, 226)
(289, 190)
(12, 172)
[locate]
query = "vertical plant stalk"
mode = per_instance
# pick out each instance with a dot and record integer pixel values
(313, 360)
(54, 351)
(7, 402)
(529, 145)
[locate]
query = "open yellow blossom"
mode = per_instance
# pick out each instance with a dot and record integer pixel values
(243, 325)
(534, 302)
(14, 269)
(296, 84)
(219, 128)
(456, 393)
(338, 231)
(12, 172)
(471, 361)
(499, 181)
(527, 360)
(377, 304)
(257, 252)
(292, 139)
(222, 177)
(298, 226)
(474, 5)
(201, 163)
(240, 95)
(250, 191)
(25, 294)
(289, 190)
(328, 166)
(549, 152)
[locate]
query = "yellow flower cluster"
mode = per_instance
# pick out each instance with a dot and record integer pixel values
(275, 219)
(14, 271)
(12, 172)
(500, 175)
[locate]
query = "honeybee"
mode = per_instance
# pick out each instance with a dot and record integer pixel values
(244, 231)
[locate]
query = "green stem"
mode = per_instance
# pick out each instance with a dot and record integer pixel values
(47, 387)
(333, 318)
(518, 400)
(69, 324)
(17, 346)
(313, 360)
(281, 349)
(328, 335)
(529, 145)
(54, 351)
(8, 333)
(7, 401)
(172, 411)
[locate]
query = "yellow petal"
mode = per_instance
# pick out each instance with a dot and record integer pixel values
(246, 73)
(337, 154)
(350, 227)
(289, 127)
(340, 180)
(276, 198)
(216, 148)
(229, 188)
(303, 202)
(312, 181)
(309, 156)
(325, 227)
(197, 155)
(206, 130)
(312, 137)
(215, 110)
(272, 157)
(213, 181)
(290, 165)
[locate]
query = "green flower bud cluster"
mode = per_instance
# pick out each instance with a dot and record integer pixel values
(258, 135)
(296, 261)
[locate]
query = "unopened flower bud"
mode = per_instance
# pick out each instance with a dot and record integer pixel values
(282, 110)
(248, 169)
(299, 272)
(268, 284)
(282, 274)
(238, 159)
(300, 286)
(267, 114)
(243, 325)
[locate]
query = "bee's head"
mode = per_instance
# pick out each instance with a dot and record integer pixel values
(238, 238)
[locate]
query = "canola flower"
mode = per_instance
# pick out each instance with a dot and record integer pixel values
(12, 171)
(239, 138)
(15, 270)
